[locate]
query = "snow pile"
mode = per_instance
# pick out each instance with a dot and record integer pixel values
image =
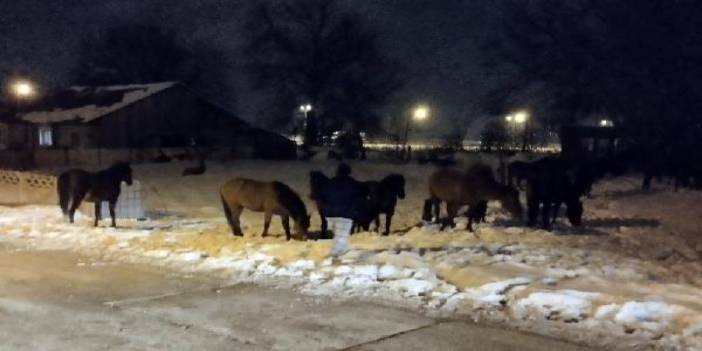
(565, 305)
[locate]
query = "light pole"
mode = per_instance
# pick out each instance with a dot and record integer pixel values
(522, 117)
(419, 114)
(305, 109)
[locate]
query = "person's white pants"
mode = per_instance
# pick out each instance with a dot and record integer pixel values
(341, 227)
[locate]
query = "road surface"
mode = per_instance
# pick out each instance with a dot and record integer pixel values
(56, 300)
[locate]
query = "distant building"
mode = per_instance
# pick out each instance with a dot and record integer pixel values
(139, 116)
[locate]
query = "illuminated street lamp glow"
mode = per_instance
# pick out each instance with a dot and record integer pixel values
(606, 123)
(420, 113)
(521, 116)
(508, 118)
(22, 89)
(305, 108)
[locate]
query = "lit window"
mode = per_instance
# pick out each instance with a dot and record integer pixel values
(45, 136)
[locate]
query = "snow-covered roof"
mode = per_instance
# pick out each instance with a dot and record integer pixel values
(86, 104)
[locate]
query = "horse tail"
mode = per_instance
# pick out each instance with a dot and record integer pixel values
(227, 211)
(63, 187)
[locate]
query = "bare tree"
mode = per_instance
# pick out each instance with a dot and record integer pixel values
(310, 51)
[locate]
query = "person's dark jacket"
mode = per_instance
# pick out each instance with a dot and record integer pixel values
(342, 197)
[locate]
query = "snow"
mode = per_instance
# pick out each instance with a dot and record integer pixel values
(597, 288)
(565, 305)
(88, 113)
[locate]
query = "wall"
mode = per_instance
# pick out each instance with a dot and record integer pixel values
(22, 188)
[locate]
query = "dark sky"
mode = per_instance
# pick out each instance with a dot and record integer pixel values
(436, 39)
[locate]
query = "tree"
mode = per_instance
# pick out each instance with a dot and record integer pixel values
(494, 136)
(636, 62)
(310, 52)
(139, 53)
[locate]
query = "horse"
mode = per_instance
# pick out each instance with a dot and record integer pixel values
(382, 199)
(73, 186)
(551, 181)
(458, 189)
(271, 198)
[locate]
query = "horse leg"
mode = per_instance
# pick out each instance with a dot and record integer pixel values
(236, 225)
(112, 212)
(388, 221)
(324, 225)
(98, 210)
(437, 208)
(286, 226)
(546, 215)
(377, 221)
(451, 210)
(266, 223)
(533, 209)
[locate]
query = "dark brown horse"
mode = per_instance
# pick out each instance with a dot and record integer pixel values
(472, 188)
(271, 198)
(75, 185)
(382, 199)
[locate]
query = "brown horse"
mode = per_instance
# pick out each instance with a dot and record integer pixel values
(272, 198)
(459, 189)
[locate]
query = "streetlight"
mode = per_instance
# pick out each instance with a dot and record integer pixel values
(606, 123)
(519, 117)
(22, 89)
(419, 114)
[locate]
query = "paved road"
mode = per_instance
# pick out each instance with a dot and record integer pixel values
(54, 300)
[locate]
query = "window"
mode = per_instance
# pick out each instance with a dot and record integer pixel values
(45, 136)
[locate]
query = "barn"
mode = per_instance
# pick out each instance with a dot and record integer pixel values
(137, 117)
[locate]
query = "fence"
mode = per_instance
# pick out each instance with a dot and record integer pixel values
(22, 188)
(26, 188)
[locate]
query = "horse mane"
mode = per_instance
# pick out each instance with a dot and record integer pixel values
(317, 181)
(394, 181)
(290, 200)
(481, 171)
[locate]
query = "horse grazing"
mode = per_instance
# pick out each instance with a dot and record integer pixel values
(477, 185)
(271, 198)
(550, 183)
(382, 199)
(74, 185)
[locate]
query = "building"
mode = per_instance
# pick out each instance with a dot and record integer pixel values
(134, 117)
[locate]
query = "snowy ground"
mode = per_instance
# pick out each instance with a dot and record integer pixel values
(630, 278)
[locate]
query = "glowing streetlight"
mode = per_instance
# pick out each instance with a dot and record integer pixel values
(305, 108)
(420, 113)
(521, 116)
(606, 123)
(508, 118)
(22, 89)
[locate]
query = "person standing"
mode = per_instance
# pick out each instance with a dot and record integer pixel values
(341, 203)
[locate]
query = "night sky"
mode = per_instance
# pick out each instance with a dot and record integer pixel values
(436, 40)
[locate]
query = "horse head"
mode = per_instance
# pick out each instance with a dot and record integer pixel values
(396, 182)
(123, 171)
(302, 225)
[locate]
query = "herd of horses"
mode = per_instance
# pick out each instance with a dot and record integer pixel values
(550, 183)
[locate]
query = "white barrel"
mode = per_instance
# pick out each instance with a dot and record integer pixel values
(130, 203)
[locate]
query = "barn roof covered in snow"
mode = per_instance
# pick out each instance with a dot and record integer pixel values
(85, 104)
